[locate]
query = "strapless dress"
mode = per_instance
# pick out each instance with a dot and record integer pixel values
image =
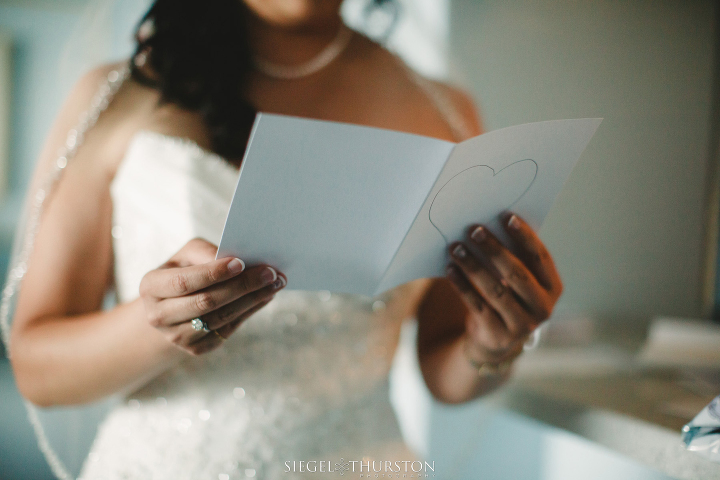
(305, 379)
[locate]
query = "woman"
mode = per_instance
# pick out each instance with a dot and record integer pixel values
(225, 374)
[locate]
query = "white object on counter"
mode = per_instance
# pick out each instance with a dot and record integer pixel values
(682, 342)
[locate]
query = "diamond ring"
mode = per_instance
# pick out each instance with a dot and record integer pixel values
(198, 325)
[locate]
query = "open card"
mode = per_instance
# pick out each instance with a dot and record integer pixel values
(355, 209)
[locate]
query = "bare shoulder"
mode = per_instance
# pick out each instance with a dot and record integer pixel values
(463, 103)
(105, 143)
(78, 101)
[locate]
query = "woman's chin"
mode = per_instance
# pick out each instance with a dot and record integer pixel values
(296, 13)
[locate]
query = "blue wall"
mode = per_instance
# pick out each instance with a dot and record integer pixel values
(38, 37)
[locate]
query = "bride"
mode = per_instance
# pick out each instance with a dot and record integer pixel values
(225, 374)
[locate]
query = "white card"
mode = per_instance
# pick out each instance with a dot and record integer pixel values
(360, 210)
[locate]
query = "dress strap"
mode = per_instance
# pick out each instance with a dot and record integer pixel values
(442, 103)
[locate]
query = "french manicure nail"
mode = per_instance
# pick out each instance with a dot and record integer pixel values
(479, 234)
(268, 275)
(236, 265)
(513, 222)
(279, 283)
(459, 251)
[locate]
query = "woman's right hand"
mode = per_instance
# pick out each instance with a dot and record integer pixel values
(193, 284)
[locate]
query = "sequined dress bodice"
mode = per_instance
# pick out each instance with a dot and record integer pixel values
(303, 379)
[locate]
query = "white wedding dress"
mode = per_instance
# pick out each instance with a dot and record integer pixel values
(304, 379)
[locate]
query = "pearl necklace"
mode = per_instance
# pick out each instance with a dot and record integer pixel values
(320, 61)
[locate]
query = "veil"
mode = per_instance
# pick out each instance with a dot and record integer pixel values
(103, 33)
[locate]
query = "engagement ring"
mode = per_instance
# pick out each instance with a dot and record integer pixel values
(198, 325)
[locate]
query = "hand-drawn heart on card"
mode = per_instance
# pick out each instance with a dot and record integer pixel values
(452, 210)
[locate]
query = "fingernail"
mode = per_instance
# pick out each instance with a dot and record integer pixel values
(236, 265)
(513, 222)
(479, 234)
(459, 251)
(279, 283)
(268, 275)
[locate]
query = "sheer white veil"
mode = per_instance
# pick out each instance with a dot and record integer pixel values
(103, 33)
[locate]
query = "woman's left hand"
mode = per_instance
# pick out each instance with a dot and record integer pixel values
(508, 295)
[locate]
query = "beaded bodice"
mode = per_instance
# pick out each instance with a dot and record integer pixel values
(305, 378)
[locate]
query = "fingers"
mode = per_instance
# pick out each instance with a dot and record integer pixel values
(536, 256)
(508, 295)
(514, 272)
(238, 308)
(193, 284)
(171, 311)
(205, 342)
(179, 281)
(497, 294)
(484, 326)
(224, 321)
(196, 251)
(229, 328)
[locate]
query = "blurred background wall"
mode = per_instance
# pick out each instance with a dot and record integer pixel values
(626, 231)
